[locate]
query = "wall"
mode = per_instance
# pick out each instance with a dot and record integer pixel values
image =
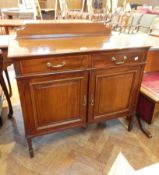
(50, 4)
(8, 3)
(72, 4)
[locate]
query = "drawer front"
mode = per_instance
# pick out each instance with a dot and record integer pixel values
(53, 64)
(117, 59)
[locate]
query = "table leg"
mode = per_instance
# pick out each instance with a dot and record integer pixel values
(142, 127)
(131, 121)
(8, 80)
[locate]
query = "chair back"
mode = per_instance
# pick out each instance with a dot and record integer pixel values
(35, 6)
(90, 8)
(145, 22)
(154, 28)
(63, 7)
(125, 20)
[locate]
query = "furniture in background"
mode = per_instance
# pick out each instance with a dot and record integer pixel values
(136, 18)
(29, 9)
(18, 23)
(148, 103)
(88, 10)
(134, 6)
(35, 6)
(5, 90)
(47, 8)
(97, 12)
(148, 107)
(145, 22)
(154, 28)
(153, 59)
(62, 10)
(16, 13)
(10, 23)
(73, 81)
(5, 62)
(125, 23)
(115, 21)
(134, 22)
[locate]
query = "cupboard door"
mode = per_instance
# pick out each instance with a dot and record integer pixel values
(113, 92)
(56, 102)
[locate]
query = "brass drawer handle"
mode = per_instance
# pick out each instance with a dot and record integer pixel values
(50, 65)
(119, 62)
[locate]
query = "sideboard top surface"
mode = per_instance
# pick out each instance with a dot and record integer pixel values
(58, 46)
(66, 39)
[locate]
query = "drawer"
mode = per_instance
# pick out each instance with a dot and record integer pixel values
(53, 64)
(116, 59)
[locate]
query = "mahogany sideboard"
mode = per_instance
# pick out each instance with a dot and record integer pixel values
(70, 78)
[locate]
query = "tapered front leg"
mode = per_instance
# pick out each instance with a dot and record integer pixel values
(31, 151)
(131, 121)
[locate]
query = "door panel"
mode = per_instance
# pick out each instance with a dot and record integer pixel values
(112, 92)
(58, 101)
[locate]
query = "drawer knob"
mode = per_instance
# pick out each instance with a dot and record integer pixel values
(118, 62)
(50, 65)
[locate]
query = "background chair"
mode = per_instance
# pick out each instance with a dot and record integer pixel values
(125, 23)
(62, 11)
(96, 10)
(145, 23)
(154, 28)
(34, 6)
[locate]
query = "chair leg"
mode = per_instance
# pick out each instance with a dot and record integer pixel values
(2, 82)
(8, 80)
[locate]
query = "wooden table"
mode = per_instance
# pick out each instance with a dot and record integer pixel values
(13, 23)
(16, 13)
(4, 40)
(9, 23)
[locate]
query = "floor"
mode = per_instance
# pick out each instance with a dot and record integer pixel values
(90, 151)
